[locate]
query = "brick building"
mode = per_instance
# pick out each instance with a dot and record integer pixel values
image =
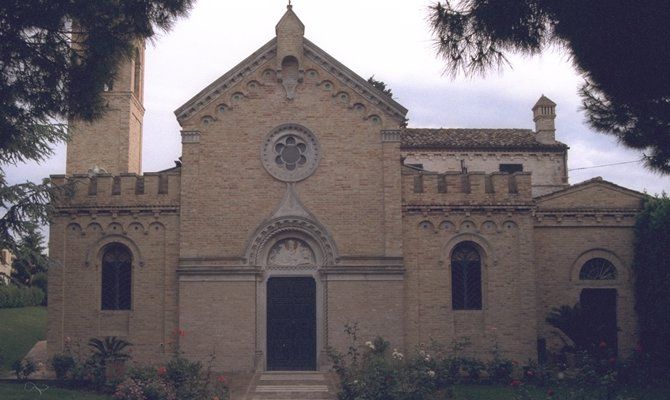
(303, 203)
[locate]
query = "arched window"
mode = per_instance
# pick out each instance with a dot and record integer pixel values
(597, 269)
(466, 278)
(116, 277)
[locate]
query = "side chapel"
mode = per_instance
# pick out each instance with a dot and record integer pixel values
(302, 203)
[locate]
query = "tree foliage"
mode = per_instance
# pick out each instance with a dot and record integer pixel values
(620, 48)
(651, 267)
(31, 259)
(55, 58)
(381, 86)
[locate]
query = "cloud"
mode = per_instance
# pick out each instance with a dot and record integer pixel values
(390, 40)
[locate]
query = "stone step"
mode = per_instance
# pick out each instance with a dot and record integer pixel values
(293, 377)
(291, 388)
(287, 385)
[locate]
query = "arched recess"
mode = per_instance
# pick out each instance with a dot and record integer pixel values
(603, 298)
(487, 259)
(486, 250)
(95, 251)
(287, 233)
(622, 273)
(304, 229)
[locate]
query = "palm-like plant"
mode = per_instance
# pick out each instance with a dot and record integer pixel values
(109, 348)
(574, 323)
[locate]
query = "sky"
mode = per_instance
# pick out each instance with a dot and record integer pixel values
(389, 39)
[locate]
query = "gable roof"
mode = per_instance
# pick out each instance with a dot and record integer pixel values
(313, 52)
(592, 193)
(475, 139)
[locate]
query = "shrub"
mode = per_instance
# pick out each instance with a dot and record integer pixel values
(109, 348)
(369, 372)
(179, 379)
(500, 370)
(62, 365)
(145, 389)
(24, 368)
(12, 296)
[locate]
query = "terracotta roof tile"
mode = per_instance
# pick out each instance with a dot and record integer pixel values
(491, 139)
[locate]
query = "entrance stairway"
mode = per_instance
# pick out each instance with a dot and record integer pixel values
(291, 386)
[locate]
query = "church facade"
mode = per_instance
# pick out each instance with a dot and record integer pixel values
(303, 204)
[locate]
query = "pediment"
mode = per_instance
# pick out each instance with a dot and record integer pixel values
(233, 82)
(592, 194)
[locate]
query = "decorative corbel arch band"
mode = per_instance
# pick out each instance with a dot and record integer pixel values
(302, 227)
(94, 253)
(622, 271)
(488, 255)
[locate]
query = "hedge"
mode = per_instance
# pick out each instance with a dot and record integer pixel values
(12, 296)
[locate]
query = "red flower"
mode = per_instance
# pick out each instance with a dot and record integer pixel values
(181, 332)
(221, 379)
(515, 383)
(550, 392)
(602, 344)
(161, 371)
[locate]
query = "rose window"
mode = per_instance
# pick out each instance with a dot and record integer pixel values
(291, 152)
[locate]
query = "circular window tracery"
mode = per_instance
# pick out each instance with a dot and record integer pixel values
(290, 153)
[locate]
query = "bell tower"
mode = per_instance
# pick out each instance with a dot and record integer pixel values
(112, 143)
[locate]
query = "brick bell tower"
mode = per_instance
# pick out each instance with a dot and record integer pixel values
(113, 143)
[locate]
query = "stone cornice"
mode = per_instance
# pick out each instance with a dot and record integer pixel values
(585, 217)
(102, 210)
(355, 82)
(426, 209)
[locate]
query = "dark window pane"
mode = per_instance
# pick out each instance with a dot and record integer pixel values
(511, 168)
(116, 278)
(466, 278)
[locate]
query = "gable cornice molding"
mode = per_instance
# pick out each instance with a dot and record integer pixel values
(251, 64)
(245, 68)
(355, 82)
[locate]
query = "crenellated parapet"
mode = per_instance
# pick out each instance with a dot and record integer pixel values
(473, 188)
(150, 190)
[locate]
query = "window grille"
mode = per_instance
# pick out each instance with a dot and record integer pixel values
(466, 278)
(116, 278)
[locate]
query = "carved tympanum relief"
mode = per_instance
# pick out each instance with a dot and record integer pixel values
(291, 252)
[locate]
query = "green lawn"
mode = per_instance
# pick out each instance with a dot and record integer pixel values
(494, 392)
(20, 391)
(20, 329)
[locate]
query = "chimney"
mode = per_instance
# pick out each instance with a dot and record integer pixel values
(544, 114)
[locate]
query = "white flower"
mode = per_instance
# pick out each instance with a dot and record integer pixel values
(427, 358)
(370, 345)
(397, 355)
(431, 373)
